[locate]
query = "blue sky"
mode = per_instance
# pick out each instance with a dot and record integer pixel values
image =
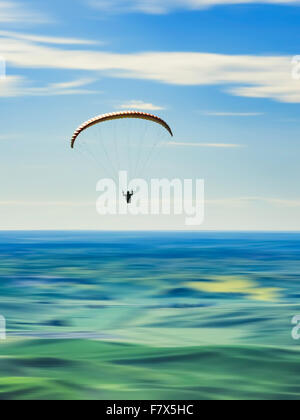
(219, 73)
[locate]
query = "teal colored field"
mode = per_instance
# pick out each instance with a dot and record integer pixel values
(149, 316)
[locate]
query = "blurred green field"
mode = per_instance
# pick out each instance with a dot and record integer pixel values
(86, 369)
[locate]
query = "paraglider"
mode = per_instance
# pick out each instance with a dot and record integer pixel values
(124, 140)
(128, 196)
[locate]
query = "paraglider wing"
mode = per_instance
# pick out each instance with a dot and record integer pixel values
(117, 116)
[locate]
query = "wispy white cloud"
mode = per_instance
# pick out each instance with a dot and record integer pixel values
(212, 145)
(282, 202)
(15, 12)
(244, 201)
(47, 39)
(165, 6)
(226, 202)
(14, 86)
(134, 6)
(245, 75)
(140, 105)
(72, 84)
(233, 114)
(17, 203)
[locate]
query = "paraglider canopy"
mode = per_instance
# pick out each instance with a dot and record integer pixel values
(116, 116)
(128, 140)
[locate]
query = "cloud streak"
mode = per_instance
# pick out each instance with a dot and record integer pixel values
(242, 201)
(233, 114)
(11, 203)
(13, 86)
(210, 145)
(47, 39)
(231, 202)
(140, 105)
(13, 12)
(166, 6)
(241, 75)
